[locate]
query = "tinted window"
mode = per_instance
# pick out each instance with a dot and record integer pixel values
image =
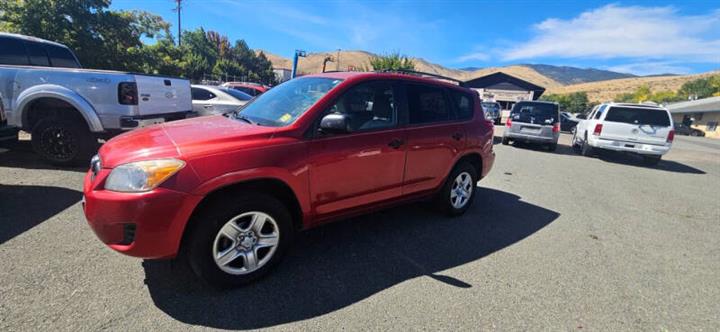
(61, 57)
(201, 94)
(427, 104)
(535, 112)
(463, 105)
(37, 54)
(368, 106)
(239, 95)
(638, 116)
(12, 52)
(246, 90)
(282, 105)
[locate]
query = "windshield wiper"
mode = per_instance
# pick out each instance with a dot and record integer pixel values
(239, 116)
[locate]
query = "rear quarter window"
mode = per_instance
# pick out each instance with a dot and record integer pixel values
(463, 105)
(12, 52)
(427, 104)
(638, 116)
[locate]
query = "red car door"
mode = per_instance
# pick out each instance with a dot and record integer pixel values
(364, 165)
(434, 137)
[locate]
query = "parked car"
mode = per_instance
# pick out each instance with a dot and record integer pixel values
(682, 129)
(641, 129)
(227, 193)
(536, 122)
(568, 122)
(492, 111)
(253, 89)
(208, 99)
(66, 109)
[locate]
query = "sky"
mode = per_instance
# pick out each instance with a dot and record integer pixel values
(638, 37)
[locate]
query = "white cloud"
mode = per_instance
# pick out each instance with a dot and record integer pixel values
(612, 31)
(477, 56)
(651, 68)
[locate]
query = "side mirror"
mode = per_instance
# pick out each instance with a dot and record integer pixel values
(334, 124)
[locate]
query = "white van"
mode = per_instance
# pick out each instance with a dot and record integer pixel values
(646, 130)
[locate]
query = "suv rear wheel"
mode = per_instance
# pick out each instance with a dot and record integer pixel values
(458, 192)
(238, 240)
(62, 142)
(585, 149)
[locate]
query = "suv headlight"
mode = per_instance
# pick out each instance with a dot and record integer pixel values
(142, 175)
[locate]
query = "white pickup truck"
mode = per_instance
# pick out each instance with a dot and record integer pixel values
(66, 109)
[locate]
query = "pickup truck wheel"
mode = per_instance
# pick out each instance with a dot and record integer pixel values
(458, 192)
(239, 239)
(62, 142)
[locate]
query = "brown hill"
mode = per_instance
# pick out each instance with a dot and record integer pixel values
(597, 91)
(606, 90)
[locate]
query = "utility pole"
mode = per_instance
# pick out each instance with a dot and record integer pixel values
(337, 59)
(178, 9)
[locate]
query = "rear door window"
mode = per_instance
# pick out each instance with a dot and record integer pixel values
(12, 52)
(61, 57)
(638, 116)
(201, 94)
(37, 54)
(538, 113)
(427, 104)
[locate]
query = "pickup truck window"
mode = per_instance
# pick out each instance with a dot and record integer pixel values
(61, 57)
(12, 52)
(37, 54)
(638, 116)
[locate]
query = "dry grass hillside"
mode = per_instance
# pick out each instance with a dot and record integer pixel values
(597, 91)
(360, 59)
(607, 90)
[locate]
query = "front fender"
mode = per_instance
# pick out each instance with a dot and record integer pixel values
(56, 92)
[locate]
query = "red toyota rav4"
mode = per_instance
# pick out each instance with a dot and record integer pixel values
(228, 192)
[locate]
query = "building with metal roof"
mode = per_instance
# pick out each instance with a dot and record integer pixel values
(702, 114)
(504, 89)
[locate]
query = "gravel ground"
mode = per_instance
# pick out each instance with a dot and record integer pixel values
(554, 241)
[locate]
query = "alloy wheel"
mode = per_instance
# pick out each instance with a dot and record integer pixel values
(461, 190)
(246, 243)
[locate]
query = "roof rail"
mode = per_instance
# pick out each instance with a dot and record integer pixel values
(422, 74)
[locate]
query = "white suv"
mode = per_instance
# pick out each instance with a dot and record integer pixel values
(642, 129)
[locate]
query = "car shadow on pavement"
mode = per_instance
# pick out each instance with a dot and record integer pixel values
(618, 158)
(21, 155)
(16, 217)
(334, 266)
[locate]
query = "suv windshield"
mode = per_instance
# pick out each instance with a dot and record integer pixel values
(282, 105)
(638, 116)
(535, 112)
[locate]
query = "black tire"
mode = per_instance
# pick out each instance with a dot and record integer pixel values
(505, 141)
(552, 147)
(443, 199)
(63, 142)
(207, 224)
(651, 160)
(694, 133)
(585, 149)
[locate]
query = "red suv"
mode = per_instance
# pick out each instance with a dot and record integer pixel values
(228, 192)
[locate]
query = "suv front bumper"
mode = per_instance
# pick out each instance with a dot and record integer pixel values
(146, 225)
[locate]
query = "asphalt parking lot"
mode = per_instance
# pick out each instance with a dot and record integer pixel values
(554, 241)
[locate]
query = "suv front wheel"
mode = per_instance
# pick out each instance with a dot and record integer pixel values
(458, 192)
(239, 239)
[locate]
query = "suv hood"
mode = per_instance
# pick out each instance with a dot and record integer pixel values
(183, 139)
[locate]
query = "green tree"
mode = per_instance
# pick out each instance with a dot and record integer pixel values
(392, 61)
(576, 102)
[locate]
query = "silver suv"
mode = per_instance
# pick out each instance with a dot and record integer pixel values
(536, 122)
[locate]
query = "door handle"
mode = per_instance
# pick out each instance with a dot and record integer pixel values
(396, 143)
(457, 136)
